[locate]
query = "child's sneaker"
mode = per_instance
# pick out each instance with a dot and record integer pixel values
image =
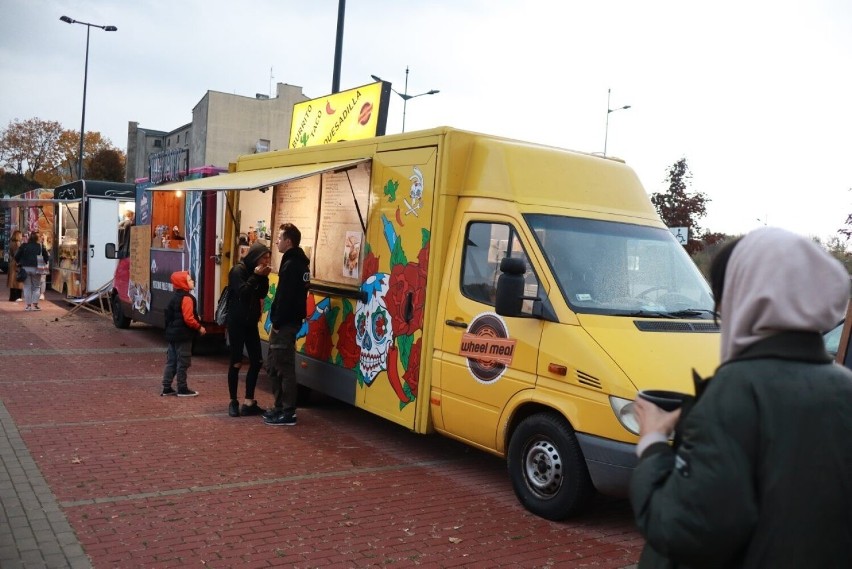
(168, 391)
(186, 392)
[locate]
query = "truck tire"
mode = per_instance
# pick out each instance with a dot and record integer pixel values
(547, 468)
(118, 317)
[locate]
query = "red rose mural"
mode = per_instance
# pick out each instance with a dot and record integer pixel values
(349, 351)
(406, 283)
(318, 342)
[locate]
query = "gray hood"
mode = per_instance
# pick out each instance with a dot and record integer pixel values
(779, 281)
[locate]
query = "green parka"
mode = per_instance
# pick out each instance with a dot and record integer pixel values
(770, 437)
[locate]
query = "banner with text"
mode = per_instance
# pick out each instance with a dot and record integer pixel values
(349, 115)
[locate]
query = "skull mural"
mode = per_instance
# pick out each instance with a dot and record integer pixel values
(373, 328)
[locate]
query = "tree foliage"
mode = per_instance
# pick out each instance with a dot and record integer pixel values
(44, 152)
(30, 147)
(106, 164)
(679, 208)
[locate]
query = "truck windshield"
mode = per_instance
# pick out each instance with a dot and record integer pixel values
(604, 267)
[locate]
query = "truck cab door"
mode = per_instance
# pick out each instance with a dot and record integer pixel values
(485, 359)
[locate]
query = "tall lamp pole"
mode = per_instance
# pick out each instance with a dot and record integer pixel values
(608, 112)
(405, 96)
(89, 26)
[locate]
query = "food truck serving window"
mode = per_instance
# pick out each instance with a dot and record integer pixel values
(330, 209)
(167, 219)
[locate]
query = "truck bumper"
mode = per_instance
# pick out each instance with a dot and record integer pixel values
(610, 463)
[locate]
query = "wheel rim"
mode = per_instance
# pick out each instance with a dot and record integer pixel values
(543, 468)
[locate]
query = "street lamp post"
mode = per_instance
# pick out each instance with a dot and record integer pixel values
(405, 96)
(89, 26)
(608, 111)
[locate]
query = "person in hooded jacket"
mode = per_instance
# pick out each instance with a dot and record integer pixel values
(182, 324)
(287, 313)
(248, 284)
(761, 474)
(27, 257)
(16, 287)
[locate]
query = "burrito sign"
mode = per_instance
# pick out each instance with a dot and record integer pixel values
(348, 115)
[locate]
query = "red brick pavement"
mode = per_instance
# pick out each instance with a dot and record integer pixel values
(159, 482)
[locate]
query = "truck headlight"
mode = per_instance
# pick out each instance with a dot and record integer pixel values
(623, 409)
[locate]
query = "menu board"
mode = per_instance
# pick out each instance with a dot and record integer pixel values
(329, 210)
(340, 236)
(296, 202)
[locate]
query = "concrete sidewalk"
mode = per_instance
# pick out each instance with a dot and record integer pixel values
(99, 471)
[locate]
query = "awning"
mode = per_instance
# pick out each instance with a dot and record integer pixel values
(256, 179)
(20, 202)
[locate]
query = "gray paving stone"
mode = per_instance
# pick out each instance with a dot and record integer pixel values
(34, 533)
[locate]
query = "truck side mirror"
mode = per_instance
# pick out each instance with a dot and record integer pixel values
(510, 287)
(109, 251)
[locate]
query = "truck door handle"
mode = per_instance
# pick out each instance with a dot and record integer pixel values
(455, 323)
(92, 251)
(408, 308)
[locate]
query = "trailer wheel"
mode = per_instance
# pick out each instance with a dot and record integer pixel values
(118, 317)
(547, 468)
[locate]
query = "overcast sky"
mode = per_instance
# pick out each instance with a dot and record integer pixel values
(755, 94)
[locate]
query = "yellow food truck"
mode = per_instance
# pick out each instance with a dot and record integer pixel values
(509, 295)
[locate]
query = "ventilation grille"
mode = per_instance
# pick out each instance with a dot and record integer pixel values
(670, 326)
(588, 380)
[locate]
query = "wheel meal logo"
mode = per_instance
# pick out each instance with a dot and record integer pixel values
(487, 347)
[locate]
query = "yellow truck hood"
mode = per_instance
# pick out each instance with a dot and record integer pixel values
(657, 353)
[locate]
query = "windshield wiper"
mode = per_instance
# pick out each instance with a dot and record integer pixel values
(648, 314)
(687, 312)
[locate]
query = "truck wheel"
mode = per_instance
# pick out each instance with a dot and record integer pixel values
(547, 468)
(118, 317)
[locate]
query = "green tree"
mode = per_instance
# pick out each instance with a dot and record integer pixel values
(679, 208)
(836, 247)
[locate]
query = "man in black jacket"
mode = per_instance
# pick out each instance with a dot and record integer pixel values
(287, 314)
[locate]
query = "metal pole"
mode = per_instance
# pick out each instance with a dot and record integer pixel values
(83, 120)
(606, 132)
(405, 99)
(338, 47)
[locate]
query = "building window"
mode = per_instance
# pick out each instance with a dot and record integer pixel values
(158, 143)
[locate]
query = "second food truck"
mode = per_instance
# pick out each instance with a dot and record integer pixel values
(505, 294)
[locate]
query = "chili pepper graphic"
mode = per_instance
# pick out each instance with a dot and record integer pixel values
(393, 375)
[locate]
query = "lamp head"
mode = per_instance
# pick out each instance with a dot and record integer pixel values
(376, 78)
(67, 20)
(110, 29)
(432, 92)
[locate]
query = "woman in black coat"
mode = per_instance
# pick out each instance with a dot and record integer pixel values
(248, 284)
(27, 257)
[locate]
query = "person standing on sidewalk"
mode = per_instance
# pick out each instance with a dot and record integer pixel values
(760, 475)
(248, 284)
(27, 257)
(15, 286)
(287, 314)
(182, 324)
